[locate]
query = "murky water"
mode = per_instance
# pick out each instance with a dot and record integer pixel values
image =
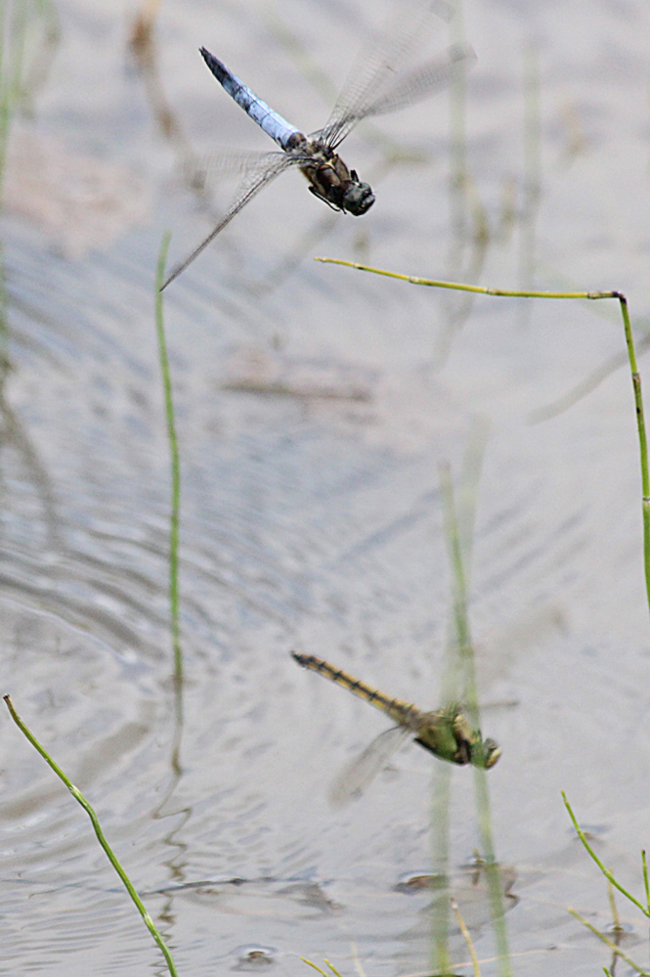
(314, 408)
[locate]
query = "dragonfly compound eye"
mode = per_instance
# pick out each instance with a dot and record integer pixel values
(491, 753)
(358, 198)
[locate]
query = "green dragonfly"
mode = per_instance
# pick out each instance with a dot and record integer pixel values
(445, 732)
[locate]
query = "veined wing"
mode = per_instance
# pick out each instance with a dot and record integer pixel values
(360, 772)
(375, 69)
(409, 88)
(261, 172)
(208, 171)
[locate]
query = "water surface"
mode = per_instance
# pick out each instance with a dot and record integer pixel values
(314, 407)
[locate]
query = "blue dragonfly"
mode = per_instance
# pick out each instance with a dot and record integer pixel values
(373, 89)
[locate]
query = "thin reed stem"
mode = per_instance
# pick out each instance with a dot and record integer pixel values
(629, 340)
(606, 872)
(175, 467)
(79, 797)
(460, 554)
(609, 943)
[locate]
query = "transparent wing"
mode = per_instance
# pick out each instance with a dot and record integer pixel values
(208, 171)
(355, 776)
(378, 62)
(261, 170)
(409, 88)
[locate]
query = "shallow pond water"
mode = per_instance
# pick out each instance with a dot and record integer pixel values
(315, 406)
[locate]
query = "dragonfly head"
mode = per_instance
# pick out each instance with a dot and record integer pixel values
(357, 196)
(485, 753)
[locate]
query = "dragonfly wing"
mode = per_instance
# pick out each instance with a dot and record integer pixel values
(423, 81)
(261, 171)
(377, 64)
(409, 88)
(360, 772)
(208, 171)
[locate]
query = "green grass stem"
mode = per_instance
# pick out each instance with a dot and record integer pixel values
(79, 797)
(460, 555)
(440, 829)
(644, 865)
(320, 969)
(175, 467)
(606, 872)
(462, 287)
(616, 919)
(468, 938)
(629, 341)
(609, 943)
(613, 884)
(29, 31)
(532, 178)
(458, 130)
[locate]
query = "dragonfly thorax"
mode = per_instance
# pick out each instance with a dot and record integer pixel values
(330, 179)
(448, 734)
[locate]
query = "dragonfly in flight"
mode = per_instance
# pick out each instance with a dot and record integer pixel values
(372, 90)
(445, 732)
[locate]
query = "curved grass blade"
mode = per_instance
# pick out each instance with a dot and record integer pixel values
(79, 797)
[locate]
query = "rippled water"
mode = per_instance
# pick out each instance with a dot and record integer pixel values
(314, 408)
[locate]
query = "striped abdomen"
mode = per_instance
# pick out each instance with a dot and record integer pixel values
(403, 713)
